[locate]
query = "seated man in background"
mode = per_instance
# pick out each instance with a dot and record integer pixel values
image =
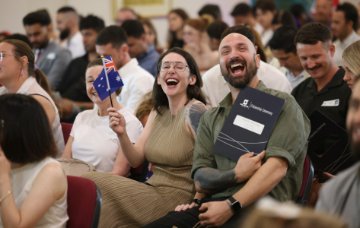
(49, 56)
(214, 31)
(145, 54)
(324, 92)
(137, 81)
(345, 22)
(72, 89)
(285, 52)
(67, 22)
(243, 14)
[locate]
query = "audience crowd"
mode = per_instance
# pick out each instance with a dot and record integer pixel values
(152, 141)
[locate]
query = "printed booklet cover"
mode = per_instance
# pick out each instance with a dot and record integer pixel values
(249, 124)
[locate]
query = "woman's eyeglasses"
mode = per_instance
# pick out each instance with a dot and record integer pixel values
(178, 66)
(3, 55)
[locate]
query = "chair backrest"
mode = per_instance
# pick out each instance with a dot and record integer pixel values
(84, 203)
(308, 175)
(66, 129)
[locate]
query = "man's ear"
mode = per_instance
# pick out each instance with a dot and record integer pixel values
(143, 37)
(257, 60)
(49, 28)
(332, 49)
(125, 48)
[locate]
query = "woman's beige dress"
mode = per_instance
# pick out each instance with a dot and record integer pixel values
(128, 203)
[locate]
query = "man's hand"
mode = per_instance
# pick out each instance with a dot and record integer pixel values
(215, 213)
(247, 166)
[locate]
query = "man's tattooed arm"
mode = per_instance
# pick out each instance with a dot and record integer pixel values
(210, 180)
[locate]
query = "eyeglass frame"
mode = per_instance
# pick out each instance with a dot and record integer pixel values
(174, 64)
(3, 55)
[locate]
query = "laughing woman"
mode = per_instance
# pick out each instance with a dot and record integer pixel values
(91, 139)
(167, 142)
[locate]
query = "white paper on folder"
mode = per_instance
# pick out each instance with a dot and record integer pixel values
(249, 124)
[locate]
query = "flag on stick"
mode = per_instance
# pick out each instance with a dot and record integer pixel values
(108, 80)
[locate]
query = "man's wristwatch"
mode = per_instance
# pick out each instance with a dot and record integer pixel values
(197, 201)
(234, 204)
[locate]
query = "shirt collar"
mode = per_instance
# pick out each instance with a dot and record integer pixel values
(127, 69)
(26, 85)
(336, 81)
(291, 75)
(150, 49)
(350, 39)
(227, 101)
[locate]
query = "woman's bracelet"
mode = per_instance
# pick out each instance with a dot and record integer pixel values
(5, 196)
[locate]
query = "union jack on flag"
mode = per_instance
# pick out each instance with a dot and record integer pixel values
(109, 63)
(108, 80)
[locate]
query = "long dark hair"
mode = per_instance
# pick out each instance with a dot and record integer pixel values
(193, 91)
(172, 34)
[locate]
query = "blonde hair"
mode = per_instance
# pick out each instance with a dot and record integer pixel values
(271, 213)
(306, 218)
(145, 107)
(351, 56)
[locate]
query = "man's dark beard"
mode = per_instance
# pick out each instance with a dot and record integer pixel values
(240, 83)
(39, 45)
(64, 34)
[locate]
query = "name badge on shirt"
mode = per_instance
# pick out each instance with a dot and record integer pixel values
(331, 103)
(51, 55)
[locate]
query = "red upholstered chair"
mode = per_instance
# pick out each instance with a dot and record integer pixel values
(308, 175)
(66, 129)
(84, 203)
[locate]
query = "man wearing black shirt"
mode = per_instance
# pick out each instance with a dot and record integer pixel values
(72, 88)
(325, 92)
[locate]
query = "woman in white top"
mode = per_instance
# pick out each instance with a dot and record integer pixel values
(91, 139)
(18, 75)
(33, 186)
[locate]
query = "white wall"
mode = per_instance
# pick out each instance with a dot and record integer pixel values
(12, 12)
(192, 7)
